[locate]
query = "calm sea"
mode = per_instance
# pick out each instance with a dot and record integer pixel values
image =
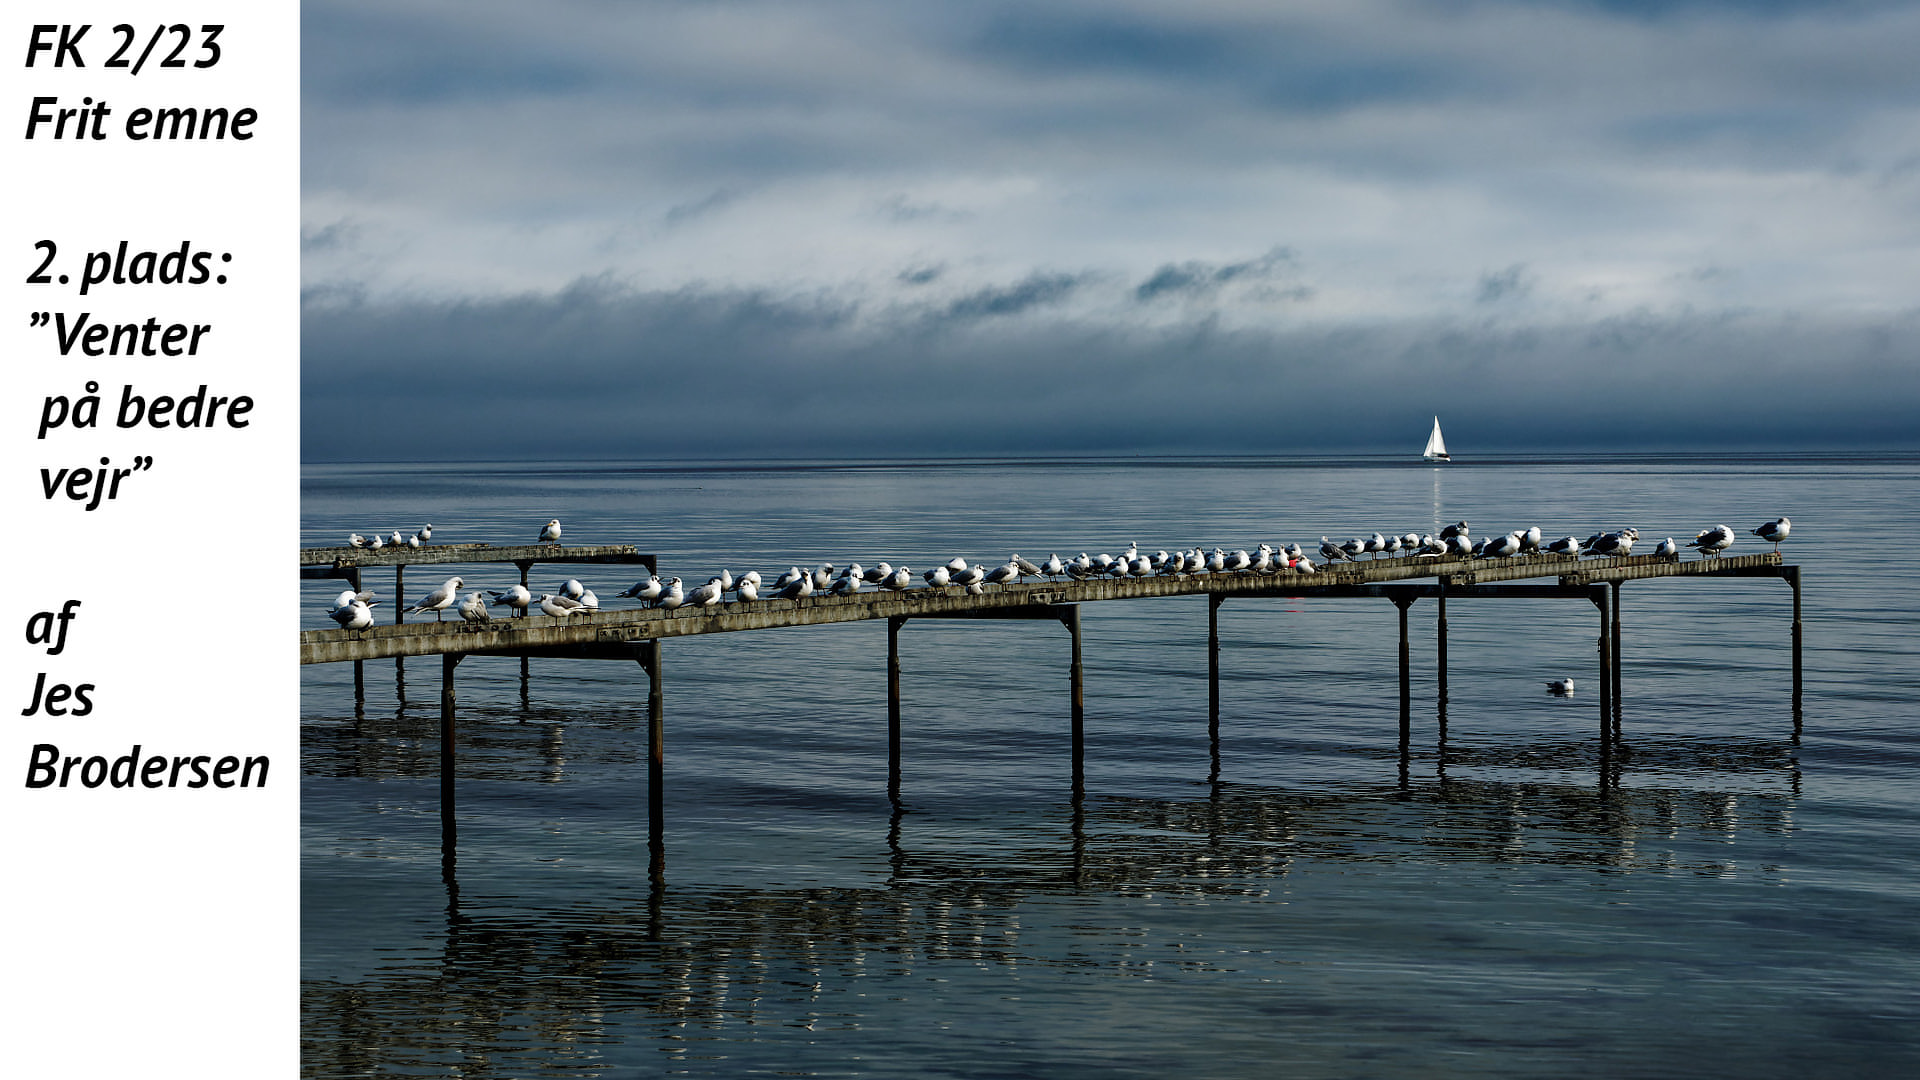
(1732, 899)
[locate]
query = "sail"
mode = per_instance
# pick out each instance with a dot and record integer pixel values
(1436, 446)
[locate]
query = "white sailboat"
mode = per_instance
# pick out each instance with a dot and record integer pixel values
(1436, 446)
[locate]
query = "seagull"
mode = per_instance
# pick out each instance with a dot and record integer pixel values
(1080, 567)
(726, 581)
(551, 533)
(396, 539)
(1053, 567)
(352, 615)
(673, 596)
(1667, 549)
(426, 533)
(792, 575)
(846, 585)
(589, 601)
(879, 573)
(1560, 686)
(356, 540)
(956, 565)
(898, 580)
(1217, 562)
(1614, 543)
(1026, 568)
(1374, 544)
(823, 576)
(1774, 531)
(557, 606)
(1000, 575)
(976, 588)
(1502, 547)
(751, 576)
(939, 577)
(375, 542)
(349, 596)
(572, 589)
(1411, 541)
(1354, 548)
(1458, 528)
(474, 610)
(1238, 562)
(1332, 552)
(1530, 540)
(649, 589)
(1566, 545)
(748, 589)
(516, 597)
(796, 590)
(413, 541)
(972, 575)
(439, 599)
(706, 595)
(1460, 545)
(1713, 541)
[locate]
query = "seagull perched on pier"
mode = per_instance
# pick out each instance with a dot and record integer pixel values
(1502, 547)
(1025, 568)
(1530, 540)
(1667, 549)
(747, 590)
(879, 573)
(1001, 575)
(1333, 552)
(396, 539)
(572, 589)
(956, 565)
(648, 590)
(551, 533)
(1713, 541)
(939, 577)
(972, 575)
(706, 595)
(356, 540)
(672, 596)
(474, 610)
(349, 596)
(846, 584)
(898, 581)
(1458, 528)
(352, 615)
(516, 597)
(375, 543)
(1053, 567)
(414, 541)
(558, 606)
(426, 533)
(796, 590)
(1774, 531)
(1566, 545)
(823, 575)
(439, 599)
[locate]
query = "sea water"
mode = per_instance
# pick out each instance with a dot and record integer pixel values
(1735, 894)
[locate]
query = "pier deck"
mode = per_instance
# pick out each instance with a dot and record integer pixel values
(615, 634)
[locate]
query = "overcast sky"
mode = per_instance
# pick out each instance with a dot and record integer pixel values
(817, 228)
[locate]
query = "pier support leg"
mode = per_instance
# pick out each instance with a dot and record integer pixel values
(1602, 599)
(1213, 682)
(656, 751)
(1403, 602)
(1792, 574)
(894, 623)
(1074, 675)
(1440, 659)
(1619, 643)
(448, 662)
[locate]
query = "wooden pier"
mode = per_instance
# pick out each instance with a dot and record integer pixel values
(636, 634)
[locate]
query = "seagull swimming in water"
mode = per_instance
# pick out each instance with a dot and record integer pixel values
(1774, 531)
(1560, 686)
(439, 599)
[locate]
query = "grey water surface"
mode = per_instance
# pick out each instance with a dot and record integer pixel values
(1727, 898)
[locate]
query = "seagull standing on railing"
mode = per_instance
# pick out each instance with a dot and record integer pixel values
(352, 615)
(672, 596)
(1667, 549)
(516, 597)
(648, 590)
(1774, 531)
(1713, 541)
(439, 599)
(1053, 568)
(796, 590)
(474, 610)
(898, 580)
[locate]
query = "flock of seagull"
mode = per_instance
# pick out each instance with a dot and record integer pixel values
(353, 610)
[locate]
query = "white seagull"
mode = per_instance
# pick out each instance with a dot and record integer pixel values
(557, 606)
(352, 615)
(748, 589)
(898, 580)
(551, 533)
(439, 599)
(672, 596)
(1774, 531)
(516, 597)
(474, 610)
(649, 589)
(1560, 686)
(356, 540)
(1713, 541)
(1667, 549)
(939, 577)
(1053, 567)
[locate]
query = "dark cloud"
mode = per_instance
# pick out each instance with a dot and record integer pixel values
(1193, 277)
(1037, 290)
(601, 371)
(1513, 283)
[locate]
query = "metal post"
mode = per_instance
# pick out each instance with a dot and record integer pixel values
(1214, 600)
(399, 591)
(1440, 660)
(894, 623)
(1792, 574)
(1403, 602)
(448, 662)
(1602, 599)
(1619, 646)
(656, 750)
(1074, 674)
